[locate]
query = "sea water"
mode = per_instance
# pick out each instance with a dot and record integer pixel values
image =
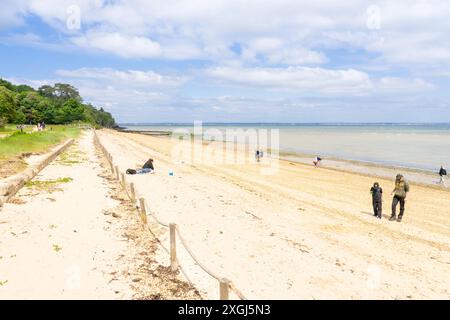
(417, 146)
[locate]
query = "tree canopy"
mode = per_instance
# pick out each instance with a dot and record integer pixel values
(58, 104)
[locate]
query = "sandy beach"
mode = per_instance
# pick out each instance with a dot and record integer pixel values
(70, 233)
(301, 233)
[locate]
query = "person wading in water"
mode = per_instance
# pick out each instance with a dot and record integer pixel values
(399, 192)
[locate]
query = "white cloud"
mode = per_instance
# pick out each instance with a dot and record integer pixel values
(289, 32)
(121, 92)
(318, 81)
(300, 79)
(293, 47)
(135, 78)
(11, 13)
(402, 85)
(120, 44)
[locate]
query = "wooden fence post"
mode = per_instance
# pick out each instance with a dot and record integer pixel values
(111, 165)
(117, 173)
(224, 285)
(173, 247)
(143, 210)
(122, 176)
(132, 193)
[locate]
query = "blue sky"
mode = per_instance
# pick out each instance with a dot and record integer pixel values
(237, 61)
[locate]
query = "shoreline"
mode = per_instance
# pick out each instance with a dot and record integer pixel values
(374, 169)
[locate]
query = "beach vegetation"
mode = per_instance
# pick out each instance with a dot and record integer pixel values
(16, 146)
(18, 143)
(47, 185)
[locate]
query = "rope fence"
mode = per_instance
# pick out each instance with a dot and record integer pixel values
(225, 285)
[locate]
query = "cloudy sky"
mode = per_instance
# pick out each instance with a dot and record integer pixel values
(237, 60)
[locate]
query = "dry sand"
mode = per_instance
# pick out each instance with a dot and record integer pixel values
(302, 233)
(77, 238)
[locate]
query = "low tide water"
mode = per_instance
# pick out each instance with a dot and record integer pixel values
(416, 146)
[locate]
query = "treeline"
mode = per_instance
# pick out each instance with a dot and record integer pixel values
(58, 104)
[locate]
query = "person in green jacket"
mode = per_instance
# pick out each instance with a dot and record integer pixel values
(399, 192)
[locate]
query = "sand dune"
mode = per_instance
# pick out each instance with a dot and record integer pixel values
(302, 233)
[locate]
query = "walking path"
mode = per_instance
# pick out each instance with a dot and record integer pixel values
(70, 235)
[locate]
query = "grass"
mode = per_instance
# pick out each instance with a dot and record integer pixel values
(18, 143)
(71, 156)
(47, 185)
(11, 128)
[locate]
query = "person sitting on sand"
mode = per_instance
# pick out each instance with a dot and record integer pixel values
(148, 164)
(377, 194)
(146, 168)
(442, 174)
(317, 161)
(399, 192)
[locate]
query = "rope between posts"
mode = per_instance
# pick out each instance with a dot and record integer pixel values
(157, 220)
(182, 240)
(167, 251)
(206, 269)
(194, 257)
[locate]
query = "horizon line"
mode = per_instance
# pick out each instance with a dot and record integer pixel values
(289, 123)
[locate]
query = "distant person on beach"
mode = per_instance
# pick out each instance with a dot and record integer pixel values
(377, 195)
(317, 161)
(399, 192)
(146, 168)
(442, 174)
(257, 155)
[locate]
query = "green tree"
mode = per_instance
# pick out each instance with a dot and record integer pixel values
(71, 111)
(58, 104)
(8, 85)
(8, 107)
(60, 93)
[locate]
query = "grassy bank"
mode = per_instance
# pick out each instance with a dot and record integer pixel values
(15, 146)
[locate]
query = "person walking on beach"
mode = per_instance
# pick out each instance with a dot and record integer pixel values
(399, 192)
(377, 194)
(257, 155)
(317, 161)
(442, 174)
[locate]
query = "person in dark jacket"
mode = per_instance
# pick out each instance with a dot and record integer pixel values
(377, 199)
(148, 164)
(442, 174)
(257, 155)
(399, 192)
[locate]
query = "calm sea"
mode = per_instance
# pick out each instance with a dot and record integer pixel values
(419, 146)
